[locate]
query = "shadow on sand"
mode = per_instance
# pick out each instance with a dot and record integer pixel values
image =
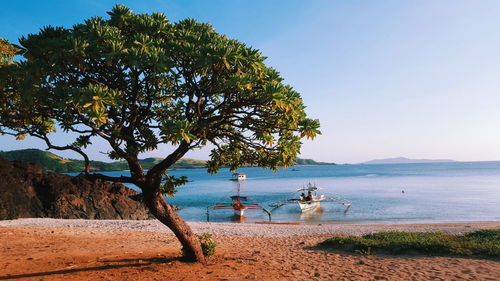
(125, 263)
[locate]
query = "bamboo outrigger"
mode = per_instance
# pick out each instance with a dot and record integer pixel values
(311, 201)
(240, 204)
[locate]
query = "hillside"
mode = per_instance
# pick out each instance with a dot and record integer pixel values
(300, 161)
(403, 160)
(184, 163)
(54, 163)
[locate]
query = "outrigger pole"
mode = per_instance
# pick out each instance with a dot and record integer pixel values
(239, 205)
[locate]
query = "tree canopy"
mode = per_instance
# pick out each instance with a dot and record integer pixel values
(138, 80)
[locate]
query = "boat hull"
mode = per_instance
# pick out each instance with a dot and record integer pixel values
(308, 206)
(239, 212)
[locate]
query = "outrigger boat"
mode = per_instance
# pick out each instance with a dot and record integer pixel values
(238, 177)
(311, 201)
(240, 204)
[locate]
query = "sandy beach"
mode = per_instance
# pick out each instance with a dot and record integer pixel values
(49, 249)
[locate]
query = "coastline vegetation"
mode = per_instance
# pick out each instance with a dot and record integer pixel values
(482, 243)
(53, 163)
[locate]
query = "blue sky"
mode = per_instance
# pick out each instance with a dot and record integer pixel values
(418, 79)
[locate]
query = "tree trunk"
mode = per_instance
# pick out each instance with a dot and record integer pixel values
(87, 165)
(191, 246)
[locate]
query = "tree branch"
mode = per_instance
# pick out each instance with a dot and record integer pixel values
(67, 147)
(154, 174)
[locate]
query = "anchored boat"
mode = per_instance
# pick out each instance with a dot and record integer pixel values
(238, 177)
(240, 204)
(309, 199)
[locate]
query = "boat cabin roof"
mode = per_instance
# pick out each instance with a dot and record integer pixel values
(310, 188)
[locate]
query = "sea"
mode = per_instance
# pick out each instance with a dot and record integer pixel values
(382, 193)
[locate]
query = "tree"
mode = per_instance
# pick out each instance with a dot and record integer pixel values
(136, 81)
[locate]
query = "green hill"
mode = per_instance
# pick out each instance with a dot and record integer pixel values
(54, 163)
(184, 163)
(300, 161)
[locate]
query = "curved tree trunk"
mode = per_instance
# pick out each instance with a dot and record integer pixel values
(164, 212)
(87, 163)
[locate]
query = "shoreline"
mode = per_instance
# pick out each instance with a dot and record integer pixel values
(251, 229)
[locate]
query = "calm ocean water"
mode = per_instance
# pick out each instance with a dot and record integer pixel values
(434, 192)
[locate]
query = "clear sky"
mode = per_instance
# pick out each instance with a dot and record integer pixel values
(419, 79)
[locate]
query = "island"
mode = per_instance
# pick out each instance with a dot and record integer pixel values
(403, 160)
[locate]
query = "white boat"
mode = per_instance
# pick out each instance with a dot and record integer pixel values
(311, 201)
(308, 205)
(239, 177)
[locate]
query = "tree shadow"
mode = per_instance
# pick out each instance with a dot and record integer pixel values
(137, 262)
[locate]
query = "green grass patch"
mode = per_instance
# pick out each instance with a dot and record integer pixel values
(484, 243)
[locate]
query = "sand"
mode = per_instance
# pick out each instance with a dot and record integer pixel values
(45, 249)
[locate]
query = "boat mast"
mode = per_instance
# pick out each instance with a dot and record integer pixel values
(238, 188)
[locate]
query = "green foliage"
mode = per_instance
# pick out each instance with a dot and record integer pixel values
(170, 183)
(484, 235)
(138, 80)
(478, 243)
(207, 244)
(7, 52)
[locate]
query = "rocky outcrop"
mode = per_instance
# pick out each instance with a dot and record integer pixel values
(26, 191)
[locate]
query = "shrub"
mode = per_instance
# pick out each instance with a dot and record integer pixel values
(478, 243)
(207, 244)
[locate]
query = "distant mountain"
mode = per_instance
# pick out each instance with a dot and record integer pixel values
(54, 163)
(403, 160)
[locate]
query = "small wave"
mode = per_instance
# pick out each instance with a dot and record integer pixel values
(370, 175)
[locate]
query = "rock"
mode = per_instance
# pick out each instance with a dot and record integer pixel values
(26, 191)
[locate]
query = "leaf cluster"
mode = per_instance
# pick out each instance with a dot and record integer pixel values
(169, 184)
(7, 52)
